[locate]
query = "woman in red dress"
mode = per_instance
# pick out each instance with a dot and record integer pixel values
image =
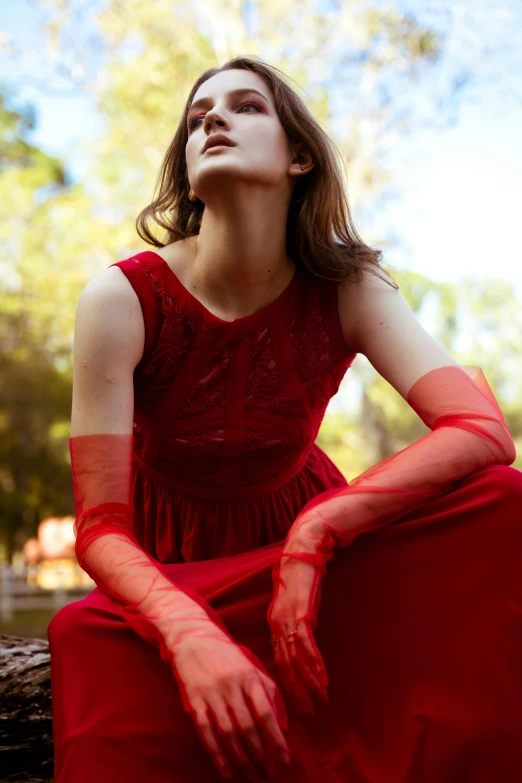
(218, 642)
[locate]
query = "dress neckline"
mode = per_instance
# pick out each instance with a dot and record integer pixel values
(207, 320)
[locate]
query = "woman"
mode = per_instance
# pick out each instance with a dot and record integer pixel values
(206, 513)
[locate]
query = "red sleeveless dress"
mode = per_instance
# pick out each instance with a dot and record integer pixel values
(420, 625)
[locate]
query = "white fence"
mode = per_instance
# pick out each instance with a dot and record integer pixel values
(21, 590)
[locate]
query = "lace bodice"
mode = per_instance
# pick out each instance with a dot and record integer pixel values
(227, 407)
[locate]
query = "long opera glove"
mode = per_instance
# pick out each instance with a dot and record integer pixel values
(161, 613)
(468, 432)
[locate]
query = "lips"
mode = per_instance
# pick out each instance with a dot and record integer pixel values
(217, 141)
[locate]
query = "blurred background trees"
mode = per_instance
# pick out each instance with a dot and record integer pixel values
(360, 69)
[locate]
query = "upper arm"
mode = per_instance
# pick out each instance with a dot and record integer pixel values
(109, 336)
(378, 322)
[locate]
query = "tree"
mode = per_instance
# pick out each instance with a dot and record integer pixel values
(35, 384)
(360, 64)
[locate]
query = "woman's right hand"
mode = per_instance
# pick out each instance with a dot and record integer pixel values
(237, 709)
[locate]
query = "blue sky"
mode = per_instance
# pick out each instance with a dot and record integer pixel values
(460, 209)
(459, 190)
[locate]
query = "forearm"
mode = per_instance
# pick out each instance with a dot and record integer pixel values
(468, 432)
(106, 548)
(120, 567)
(391, 489)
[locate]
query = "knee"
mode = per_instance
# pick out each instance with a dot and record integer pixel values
(65, 623)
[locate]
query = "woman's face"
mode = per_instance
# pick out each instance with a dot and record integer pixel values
(261, 155)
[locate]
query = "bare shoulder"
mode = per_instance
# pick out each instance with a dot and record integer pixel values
(109, 311)
(112, 287)
(356, 301)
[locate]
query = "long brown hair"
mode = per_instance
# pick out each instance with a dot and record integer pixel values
(320, 232)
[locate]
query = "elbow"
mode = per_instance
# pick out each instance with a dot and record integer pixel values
(79, 554)
(510, 453)
(509, 448)
(505, 448)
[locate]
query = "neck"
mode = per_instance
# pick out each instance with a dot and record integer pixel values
(239, 258)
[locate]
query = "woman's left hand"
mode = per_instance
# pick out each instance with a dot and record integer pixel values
(294, 608)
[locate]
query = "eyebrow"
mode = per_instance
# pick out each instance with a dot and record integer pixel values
(238, 91)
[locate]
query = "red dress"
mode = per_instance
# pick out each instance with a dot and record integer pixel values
(420, 624)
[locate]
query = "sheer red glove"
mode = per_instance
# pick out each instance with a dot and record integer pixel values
(223, 686)
(468, 432)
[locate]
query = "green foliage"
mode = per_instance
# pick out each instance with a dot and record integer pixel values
(55, 234)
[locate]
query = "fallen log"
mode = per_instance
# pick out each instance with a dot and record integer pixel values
(26, 739)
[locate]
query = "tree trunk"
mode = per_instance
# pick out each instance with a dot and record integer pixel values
(26, 739)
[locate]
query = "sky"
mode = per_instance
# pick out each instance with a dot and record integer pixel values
(462, 213)
(459, 191)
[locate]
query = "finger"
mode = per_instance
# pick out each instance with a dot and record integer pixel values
(302, 698)
(307, 651)
(254, 756)
(308, 660)
(293, 683)
(226, 722)
(262, 705)
(305, 670)
(301, 687)
(314, 660)
(277, 700)
(283, 665)
(210, 738)
(310, 645)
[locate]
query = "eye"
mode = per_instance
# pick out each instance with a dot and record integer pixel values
(193, 120)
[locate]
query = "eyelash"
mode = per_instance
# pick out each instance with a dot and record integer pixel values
(241, 106)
